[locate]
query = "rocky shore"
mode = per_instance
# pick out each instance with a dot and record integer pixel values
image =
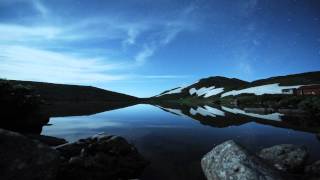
(230, 160)
(26, 155)
(31, 157)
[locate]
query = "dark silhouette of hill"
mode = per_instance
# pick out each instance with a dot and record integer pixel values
(53, 93)
(293, 79)
(26, 106)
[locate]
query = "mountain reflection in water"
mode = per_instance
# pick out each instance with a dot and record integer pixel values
(221, 116)
(174, 138)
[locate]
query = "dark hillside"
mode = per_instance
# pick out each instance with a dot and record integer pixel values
(219, 81)
(294, 79)
(27, 106)
(63, 93)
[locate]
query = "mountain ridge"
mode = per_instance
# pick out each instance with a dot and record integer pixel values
(209, 87)
(52, 92)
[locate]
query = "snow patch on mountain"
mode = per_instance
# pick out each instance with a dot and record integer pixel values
(200, 91)
(273, 116)
(206, 91)
(174, 91)
(259, 90)
(177, 90)
(206, 111)
(214, 92)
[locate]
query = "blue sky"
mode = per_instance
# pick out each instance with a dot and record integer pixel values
(142, 47)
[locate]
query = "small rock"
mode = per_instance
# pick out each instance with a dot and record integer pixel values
(100, 157)
(75, 160)
(285, 157)
(84, 152)
(231, 161)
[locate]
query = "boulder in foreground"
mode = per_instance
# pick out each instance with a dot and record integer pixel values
(23, 158)
(101, 157)
(96, 158)
(231, 161)
(285, 157)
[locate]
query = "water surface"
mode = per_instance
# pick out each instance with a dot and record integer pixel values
(175, 139)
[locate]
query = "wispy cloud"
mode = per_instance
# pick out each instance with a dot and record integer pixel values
(26, 49)
(25, 63)
(132, 35)
(143, 55)
(18, 33)
(40, 8)
(170, 29)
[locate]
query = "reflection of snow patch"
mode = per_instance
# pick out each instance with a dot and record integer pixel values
(206, 91)
(259, 90)
(273, 116)
(214, 111)
(201, 111)
(206, 111)
(193, 112)
(174, 111)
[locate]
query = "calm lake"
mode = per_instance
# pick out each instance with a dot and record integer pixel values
(174, 140)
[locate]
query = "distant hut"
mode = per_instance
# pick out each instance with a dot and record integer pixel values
(309, 90)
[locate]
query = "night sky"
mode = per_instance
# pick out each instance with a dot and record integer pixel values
(143, 47)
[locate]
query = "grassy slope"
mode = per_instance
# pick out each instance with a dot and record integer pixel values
(293, 79)
(73, 93)
(72, 100)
